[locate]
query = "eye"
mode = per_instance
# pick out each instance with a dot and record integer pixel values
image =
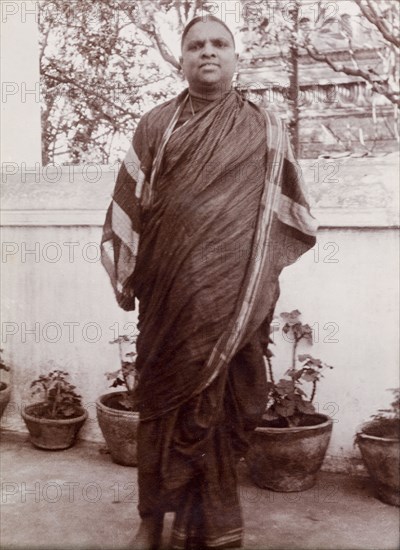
(194, 46)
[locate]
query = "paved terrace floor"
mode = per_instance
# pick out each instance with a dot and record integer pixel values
(80, 499)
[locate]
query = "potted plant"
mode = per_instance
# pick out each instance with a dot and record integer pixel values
(5, 387)
(379, 443)
(289, 444)
(54, 422)
(116, 411)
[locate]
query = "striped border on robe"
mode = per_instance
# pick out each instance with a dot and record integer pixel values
(120, 241)
(292, 215)
(230, 539)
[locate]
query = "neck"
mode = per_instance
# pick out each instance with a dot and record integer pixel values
(209, 93)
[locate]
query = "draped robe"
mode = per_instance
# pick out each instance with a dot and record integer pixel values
(204, 217)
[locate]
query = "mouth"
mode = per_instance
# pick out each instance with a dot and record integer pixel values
(209, 65)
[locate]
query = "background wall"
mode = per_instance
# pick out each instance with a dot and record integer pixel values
(58, 305)
(347, 290)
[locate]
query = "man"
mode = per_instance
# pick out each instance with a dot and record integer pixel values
(207, 210)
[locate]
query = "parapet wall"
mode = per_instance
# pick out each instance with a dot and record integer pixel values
(58, 304)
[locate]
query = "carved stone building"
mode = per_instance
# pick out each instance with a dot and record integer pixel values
(338, 113)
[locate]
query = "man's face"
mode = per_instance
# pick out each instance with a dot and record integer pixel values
(208, 57)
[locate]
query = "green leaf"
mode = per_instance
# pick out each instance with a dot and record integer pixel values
(292, 316)
(307, 333)
(291, 372)
(306, 407)
(311, 376)
(286, 408)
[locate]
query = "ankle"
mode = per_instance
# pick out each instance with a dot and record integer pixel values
(148, 536)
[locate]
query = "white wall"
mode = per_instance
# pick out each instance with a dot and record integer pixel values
(346, 288)
(49, 296)
(348, 293)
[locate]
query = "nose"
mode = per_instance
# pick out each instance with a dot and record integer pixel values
(208, 50)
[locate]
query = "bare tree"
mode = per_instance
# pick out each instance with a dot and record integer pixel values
(382, 18)
(367, 41)
(102, 65)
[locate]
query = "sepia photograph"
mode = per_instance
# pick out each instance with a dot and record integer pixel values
(200, 275)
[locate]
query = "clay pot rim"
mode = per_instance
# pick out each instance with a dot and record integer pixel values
(25, 415)
(377, 437)
(110, 410)
(326, 421)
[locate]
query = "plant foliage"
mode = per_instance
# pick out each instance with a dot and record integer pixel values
(59, 399)
(3, 364)
(288, 400)
(386, 422)
(127, 375)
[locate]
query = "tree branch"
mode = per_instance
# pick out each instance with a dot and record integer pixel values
(102, 98)
(163, 49)
(374, 18)
(379, 88)
(178, 11)
(43, 45)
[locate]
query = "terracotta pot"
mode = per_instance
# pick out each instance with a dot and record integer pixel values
(288, 459)
(49, 433)
(119, 428)
(381, 456)
(5, 392)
